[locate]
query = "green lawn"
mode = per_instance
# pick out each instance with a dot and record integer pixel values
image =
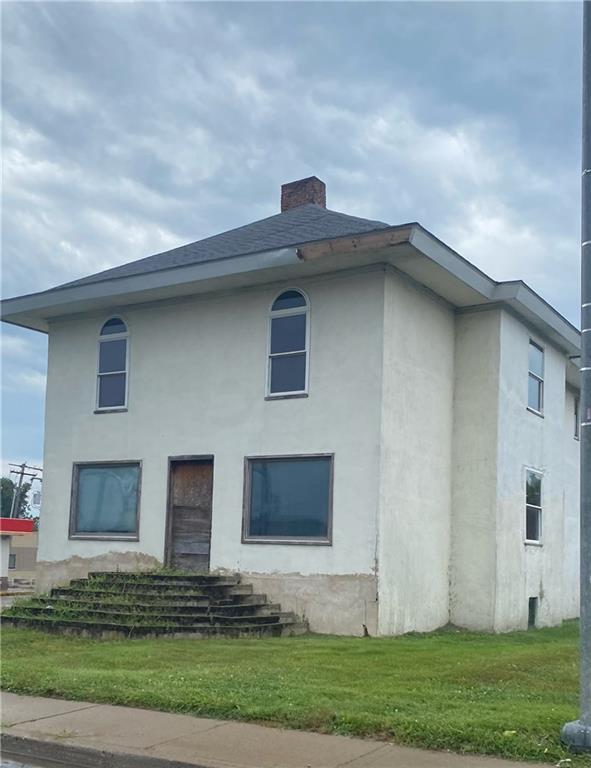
(506, 694)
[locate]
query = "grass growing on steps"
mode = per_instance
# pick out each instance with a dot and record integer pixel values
(498, 694)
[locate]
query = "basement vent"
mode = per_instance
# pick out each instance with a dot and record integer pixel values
(532, 612)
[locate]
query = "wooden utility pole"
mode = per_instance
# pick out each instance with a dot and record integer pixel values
(22, 473)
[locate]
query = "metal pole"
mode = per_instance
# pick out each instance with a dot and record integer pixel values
(577, 734)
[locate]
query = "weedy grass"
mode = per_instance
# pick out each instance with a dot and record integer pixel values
(506, 695)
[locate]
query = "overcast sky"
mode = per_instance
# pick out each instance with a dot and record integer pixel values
(130, 128)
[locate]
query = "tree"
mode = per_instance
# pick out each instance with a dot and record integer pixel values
(8, 488)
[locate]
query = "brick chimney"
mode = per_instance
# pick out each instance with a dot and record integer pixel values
(296, 193)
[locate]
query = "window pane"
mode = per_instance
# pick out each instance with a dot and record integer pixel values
(532, 524)
(288, 374)
(288, 334)
(107, 499)
(534, 394)
(111, 390)
(12, 561)
(288, 300)
(534, 489)
(536, 360)
(290, 497)
(114, 325)
(112, 355)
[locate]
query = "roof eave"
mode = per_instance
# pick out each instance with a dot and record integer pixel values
(34, 311)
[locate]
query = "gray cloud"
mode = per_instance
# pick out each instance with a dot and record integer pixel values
(133, 127)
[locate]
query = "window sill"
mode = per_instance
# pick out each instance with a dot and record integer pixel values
(123, 409)
(532, 543)
(536, 413)
(293, 396)
(291, 542)
(102, 537)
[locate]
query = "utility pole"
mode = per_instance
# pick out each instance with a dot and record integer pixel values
(577, 734)
(21, 472)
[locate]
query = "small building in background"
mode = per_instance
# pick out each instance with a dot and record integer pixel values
(12, 529)
(22, 558)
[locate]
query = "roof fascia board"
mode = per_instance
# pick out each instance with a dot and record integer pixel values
(36, 303)
(451, 261)
(516, 294)
(527, 302)
(365, 242)
(28, 311)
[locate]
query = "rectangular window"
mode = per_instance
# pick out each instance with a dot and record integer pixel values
(577, 418)
(105, 500)
(533, 506)
(112, 373)
(12, 561)
(535, 390)
(288, 499)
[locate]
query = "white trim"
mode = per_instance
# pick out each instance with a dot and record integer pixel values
(537, 377)
(539, 507)
(273, 314)
(105, 339)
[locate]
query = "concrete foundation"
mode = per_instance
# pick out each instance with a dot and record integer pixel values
(59, 572)
(332, 604)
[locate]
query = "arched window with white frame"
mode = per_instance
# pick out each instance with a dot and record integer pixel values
(111, 389)
(289, 341)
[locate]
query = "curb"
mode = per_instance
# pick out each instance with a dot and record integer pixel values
(52, 754)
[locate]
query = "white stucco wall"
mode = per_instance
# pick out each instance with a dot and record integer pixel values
(475, 440)
(572, 512)
(527, 440)
(496, 439)
(415, 464)
(197, 386)
(424, 410)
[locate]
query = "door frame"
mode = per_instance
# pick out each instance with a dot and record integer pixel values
(196, 458)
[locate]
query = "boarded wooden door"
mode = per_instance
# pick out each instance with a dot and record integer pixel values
(191, 488)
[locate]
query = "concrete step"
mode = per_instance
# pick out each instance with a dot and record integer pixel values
(129, 584)
(155, 603)
(185, 576)
(118, 602)
(110, 629)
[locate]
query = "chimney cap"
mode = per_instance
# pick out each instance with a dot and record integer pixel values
(302, 192)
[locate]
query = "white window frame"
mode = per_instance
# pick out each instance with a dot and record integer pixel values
(287, 313)
(540, 379)
(577, 417)
(106, 338)
(538, 541)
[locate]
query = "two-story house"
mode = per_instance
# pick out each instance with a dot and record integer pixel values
(348, 413)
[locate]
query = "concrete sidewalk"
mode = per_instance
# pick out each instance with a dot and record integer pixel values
(57, 732)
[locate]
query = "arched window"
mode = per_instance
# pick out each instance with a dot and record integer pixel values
(287, 372)
(112, 365)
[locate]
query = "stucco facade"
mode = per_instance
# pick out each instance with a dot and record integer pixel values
(422, 407)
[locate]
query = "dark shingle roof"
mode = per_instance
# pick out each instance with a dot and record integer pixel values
(295, 226)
